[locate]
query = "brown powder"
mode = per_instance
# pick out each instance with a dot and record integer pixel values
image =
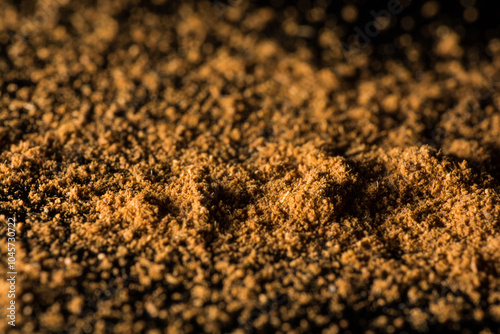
(172, 171)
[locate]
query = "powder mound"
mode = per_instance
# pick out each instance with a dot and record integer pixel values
(424, 191)
(308, 196)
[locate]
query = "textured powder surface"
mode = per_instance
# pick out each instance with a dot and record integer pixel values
(172, 171)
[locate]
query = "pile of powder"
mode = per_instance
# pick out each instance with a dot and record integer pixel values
(172, 170)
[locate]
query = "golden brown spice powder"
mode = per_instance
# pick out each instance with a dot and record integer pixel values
(177, 172)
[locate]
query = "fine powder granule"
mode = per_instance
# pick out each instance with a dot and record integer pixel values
(181, 168)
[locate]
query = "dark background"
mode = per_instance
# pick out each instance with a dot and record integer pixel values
(474, 35)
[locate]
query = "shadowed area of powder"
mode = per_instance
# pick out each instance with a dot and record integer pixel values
(173, 171)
